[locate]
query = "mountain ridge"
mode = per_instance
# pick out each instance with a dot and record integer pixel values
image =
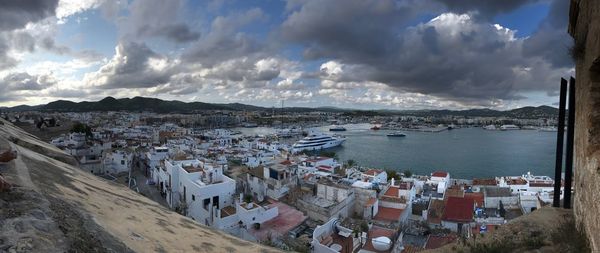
(138, 104)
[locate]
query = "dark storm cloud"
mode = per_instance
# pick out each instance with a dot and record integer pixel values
(133, 67)
(224, 41)
(355, 29)
(5, 60)
(15, 14)
(157, 18)
(456, 57)
(180, 32)
(551, 40)
(177, 32)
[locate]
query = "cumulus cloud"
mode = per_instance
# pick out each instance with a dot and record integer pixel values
(485, 9)
(134, 65)
(14, 84)
(352, 52)
(14, 17)
(453, 56)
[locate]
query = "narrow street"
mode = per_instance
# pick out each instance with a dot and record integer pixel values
(150, 191)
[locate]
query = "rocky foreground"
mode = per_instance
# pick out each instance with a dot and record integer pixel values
(52, 206)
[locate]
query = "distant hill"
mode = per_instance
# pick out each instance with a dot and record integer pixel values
(528, 112)
(131, 104)
(138, 104)
(20, 108)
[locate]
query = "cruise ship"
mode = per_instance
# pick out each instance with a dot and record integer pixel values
(317, 141)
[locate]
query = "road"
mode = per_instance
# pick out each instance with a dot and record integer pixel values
(149, 191)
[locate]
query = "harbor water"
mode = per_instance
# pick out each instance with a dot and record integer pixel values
(464, 152)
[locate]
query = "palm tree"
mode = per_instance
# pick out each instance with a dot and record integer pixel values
(350, 163)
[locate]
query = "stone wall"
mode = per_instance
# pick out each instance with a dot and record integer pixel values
(584, 26)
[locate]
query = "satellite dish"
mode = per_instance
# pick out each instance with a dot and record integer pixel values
(381, 243)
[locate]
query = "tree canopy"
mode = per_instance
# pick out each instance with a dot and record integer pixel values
(82, 128)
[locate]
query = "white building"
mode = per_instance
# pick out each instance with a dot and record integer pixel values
(332, 237)
(441, 179)
(152, 161)
(324, 164)
(76, 139)
(200, 190)
(255, 159)
(116, 162)
(375, 176)
(272, 181)
(243, 214)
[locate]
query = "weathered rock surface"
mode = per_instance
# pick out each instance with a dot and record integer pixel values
(56, 207)
(584, 26)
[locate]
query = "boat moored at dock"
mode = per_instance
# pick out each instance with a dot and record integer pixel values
(337, 128)
(396, 134)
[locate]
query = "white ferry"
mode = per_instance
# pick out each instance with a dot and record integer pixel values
(509, 127)
(317, 141)
(490, 127)
(548, 129)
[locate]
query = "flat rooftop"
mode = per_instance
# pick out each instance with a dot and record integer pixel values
(287, 219)
(388, 214)
(318, 201)
(484, 181)
(192, 169)
(227, 211)
(497, 191)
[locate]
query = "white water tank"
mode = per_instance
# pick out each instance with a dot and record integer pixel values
(381, 243)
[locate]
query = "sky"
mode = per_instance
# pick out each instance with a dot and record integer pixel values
(363, 54)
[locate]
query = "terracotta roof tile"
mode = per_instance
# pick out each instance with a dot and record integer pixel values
(434, 242)
(439, 174)
(388, 214)
(392, 191)
(458, 209)
(477, 197)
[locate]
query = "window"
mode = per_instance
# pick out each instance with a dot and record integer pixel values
(193, 197)
(206, 203)
(122, 162)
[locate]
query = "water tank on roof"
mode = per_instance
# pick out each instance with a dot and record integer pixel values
(381, 243)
